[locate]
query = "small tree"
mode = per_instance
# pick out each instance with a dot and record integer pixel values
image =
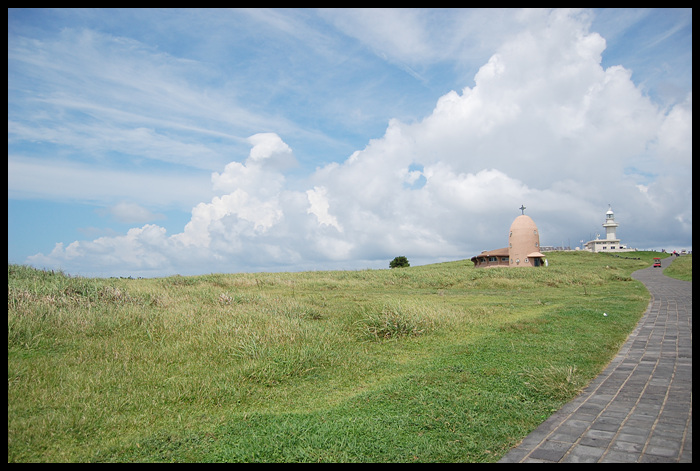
(399, 262)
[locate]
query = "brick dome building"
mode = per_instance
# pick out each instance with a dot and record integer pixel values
(523, 247)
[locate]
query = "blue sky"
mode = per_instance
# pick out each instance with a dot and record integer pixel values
(155, 142)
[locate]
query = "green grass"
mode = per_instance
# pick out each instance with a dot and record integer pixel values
(436, 363)
(681, 268)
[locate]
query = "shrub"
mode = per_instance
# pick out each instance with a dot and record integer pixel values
(399, 262)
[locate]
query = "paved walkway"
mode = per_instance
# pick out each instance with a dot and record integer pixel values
(640, 408)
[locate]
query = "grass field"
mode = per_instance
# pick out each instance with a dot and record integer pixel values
(681, 268)
(436, 363)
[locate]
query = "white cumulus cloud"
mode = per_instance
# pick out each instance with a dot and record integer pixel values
(545, 125)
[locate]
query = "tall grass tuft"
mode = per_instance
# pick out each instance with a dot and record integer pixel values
(394, 321)
(559, 382)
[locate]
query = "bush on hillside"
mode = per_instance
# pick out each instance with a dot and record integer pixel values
(399, 262)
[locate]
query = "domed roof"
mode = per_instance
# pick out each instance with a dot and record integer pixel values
(522, 223)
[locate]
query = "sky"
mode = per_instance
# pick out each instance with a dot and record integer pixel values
(149, 143)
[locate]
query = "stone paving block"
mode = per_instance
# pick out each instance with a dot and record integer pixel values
(663, 447)
(584, 454)
(620, 457)
(551, 451)
(611, 424)
(624, 445)
(645, 458)
(597, 438)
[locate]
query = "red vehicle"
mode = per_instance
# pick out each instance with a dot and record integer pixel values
(657, 262)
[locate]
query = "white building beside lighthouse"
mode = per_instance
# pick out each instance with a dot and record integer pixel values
(611, 243)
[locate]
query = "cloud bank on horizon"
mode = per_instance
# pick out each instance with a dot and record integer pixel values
(543, 123)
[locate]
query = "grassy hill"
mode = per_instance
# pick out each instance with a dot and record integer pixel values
(436, 363)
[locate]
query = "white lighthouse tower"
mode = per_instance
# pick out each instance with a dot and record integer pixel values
(611, 243)
(610, 225)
